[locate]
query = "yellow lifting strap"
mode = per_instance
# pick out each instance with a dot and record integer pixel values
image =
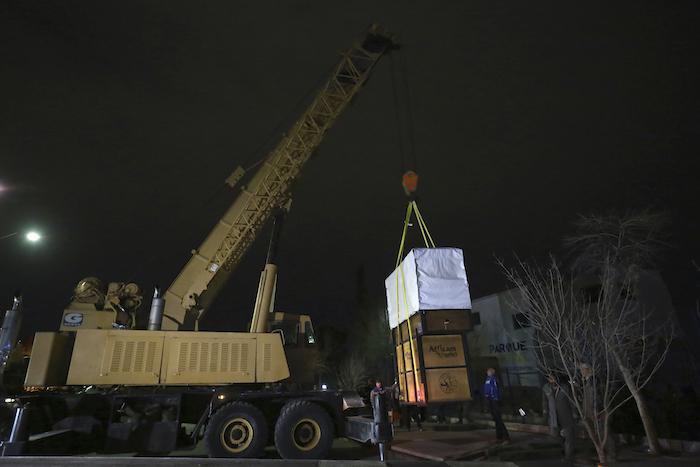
(412, 206)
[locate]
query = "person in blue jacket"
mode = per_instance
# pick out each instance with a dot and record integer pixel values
(493, 396)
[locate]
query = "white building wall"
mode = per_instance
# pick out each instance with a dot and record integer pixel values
(497, 337)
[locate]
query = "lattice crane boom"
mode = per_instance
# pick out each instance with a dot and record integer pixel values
(201, 280)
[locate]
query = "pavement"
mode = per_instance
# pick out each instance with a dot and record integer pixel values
(438, 445)
(456, 444)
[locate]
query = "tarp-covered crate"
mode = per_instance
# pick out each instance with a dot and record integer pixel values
(427, 279)
(431, 349)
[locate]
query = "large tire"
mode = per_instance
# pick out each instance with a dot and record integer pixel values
(236, 430)
(304, 430)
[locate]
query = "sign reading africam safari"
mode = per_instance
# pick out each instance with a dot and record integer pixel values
(443, 351)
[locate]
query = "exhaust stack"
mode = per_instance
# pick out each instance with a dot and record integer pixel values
(10, 330)
(155, 318)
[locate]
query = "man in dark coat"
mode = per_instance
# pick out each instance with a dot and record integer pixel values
(549, 408)
(558, 404)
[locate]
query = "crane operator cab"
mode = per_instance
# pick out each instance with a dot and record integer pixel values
(299, 346)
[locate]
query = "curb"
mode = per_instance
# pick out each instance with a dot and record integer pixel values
(206, 462)
(676, 445)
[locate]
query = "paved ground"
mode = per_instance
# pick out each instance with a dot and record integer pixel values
(449, 443)
(438, 446)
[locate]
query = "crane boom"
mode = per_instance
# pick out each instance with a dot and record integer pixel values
(200, 281)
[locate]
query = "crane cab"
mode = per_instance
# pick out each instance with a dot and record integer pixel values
(299, 346)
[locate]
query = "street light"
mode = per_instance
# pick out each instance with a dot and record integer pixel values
(31, 236)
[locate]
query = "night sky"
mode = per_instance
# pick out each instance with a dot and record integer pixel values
(120, 121)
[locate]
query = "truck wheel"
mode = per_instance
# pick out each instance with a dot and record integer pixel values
(304, 430)
(236, 430)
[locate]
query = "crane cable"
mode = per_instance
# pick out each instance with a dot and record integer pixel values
(427, 238)
(402, 98)
(410, 180)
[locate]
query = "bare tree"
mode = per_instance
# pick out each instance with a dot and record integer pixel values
(607, 331)
(624, 242)
(616, 247)
(353, 372)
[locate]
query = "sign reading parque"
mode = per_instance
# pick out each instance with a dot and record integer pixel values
(517, 346)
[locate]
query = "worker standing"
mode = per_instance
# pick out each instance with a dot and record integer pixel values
(493, 396)
(380, 390)
(557, 403)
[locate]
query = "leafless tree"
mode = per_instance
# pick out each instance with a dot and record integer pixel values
(616, 247)
(367, 357)
(353, 372)
(625, 242)
(606, 330)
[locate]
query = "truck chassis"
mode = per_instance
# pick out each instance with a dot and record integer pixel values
(232, 421)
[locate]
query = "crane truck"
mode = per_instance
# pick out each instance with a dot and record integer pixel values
(104, 384)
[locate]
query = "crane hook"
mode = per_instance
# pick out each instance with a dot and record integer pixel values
(410, 182)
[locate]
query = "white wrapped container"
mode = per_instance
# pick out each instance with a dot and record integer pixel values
(433, 279)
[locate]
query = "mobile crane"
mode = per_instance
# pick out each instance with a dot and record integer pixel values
(101, 385)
